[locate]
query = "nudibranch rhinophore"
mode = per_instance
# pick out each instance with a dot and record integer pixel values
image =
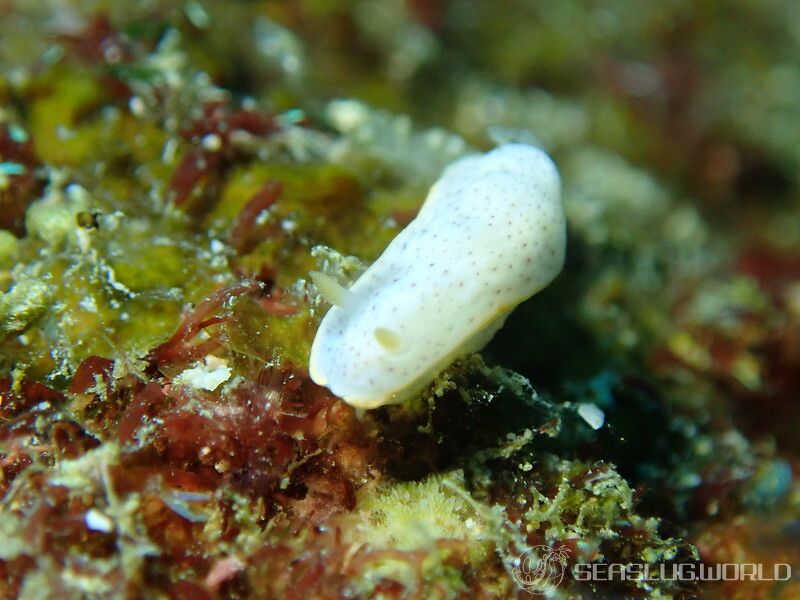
(490, 234)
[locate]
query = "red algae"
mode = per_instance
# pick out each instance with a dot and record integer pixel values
(219, 118)
(774, 270)
(98, 42)
(770, 409)
(213, 137)
(427, 12)
(246, 231)
(17, 149)
(327, 569)
(87, 374)
(179, 348)
(36, 429)
(277, 438)
(197, 167)
(751, 539)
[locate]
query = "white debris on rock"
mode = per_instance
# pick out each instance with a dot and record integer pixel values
(592, 414)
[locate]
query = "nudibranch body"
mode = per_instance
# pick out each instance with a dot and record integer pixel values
(490, 234)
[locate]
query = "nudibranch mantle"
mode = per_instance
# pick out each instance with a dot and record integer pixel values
(491, 233)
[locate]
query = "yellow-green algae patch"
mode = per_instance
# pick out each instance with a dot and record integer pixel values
(75, 118)
(108, 284)
(414, 516)
(25, 302)
(259, 334)
(319, 204)
(9, 249)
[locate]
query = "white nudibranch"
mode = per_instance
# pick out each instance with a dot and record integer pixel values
(490, 234)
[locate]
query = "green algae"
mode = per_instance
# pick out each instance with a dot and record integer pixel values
(319, 204)
(252, 332)
(413, 516)
(102, 309)
(9, 249)
(23, 304)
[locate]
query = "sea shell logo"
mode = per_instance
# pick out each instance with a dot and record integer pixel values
(540, 570)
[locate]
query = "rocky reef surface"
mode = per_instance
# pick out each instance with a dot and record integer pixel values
(170, 172)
